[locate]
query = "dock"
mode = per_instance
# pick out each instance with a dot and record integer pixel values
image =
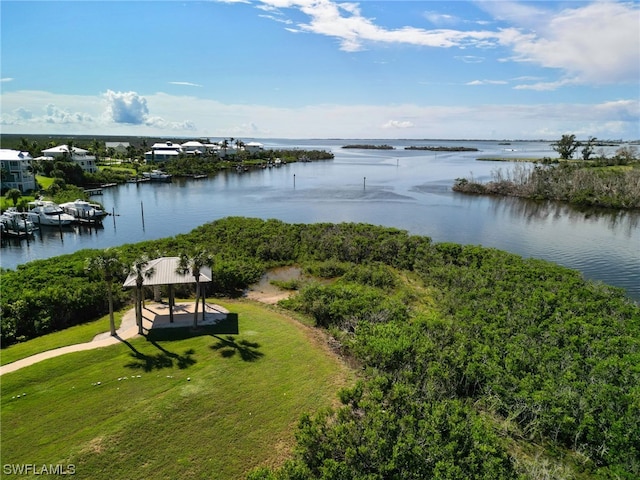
(138, 180)
(16, 234)
(98, 190)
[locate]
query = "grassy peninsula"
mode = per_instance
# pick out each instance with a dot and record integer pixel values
(469, 363)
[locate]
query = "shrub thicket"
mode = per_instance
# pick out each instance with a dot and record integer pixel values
(470, 355)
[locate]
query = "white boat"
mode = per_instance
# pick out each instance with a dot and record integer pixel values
(16, 221)
(83, 210)
(157, 176)
(42, 212)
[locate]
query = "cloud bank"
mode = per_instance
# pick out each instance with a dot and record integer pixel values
(128, 113)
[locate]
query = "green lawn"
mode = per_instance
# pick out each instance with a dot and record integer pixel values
(207, 406)
(70, 336)
(44, 182)
(118, 168)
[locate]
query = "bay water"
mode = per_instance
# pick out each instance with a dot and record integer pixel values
(406, 189)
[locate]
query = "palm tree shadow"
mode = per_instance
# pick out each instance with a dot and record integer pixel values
(160, 360)
(228, 347)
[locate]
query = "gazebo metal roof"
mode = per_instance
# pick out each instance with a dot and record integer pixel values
(165, 274)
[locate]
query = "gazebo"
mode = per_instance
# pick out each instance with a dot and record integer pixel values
(164, 271)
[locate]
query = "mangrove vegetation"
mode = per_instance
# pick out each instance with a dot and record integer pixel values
(475, 363)
(611, 182)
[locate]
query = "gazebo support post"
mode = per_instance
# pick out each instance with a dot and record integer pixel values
(172, 302)
(204, 299)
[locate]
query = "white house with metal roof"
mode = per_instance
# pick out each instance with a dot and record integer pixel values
(161, 152)
(253, 147)
(194, 148)
(78, 155)
(16, 170)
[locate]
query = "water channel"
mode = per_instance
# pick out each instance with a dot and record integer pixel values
(407, 189)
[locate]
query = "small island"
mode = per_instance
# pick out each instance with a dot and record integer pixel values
(369, 147)
(439, 148)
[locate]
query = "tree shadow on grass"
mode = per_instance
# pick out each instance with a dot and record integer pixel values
(229, 325)
(228, 347)
(160, 360)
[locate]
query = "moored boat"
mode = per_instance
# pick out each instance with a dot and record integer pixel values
(81, 210)
(43, 212)
(15, 221)
(157, 176)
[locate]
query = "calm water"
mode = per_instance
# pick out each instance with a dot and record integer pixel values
(398, 188)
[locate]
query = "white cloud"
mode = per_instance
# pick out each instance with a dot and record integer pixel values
(161, 124)
(440, 18)
(275, 18)
(57, 115)
(186, 84)
(398, 124)
(126, 107)
(38, 112)
(469, 58)
(487, 82)
(344, 21)
(23, 113)
(593, 44)
(546, 86)
(6, 79)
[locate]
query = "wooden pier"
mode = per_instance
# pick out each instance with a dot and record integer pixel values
(138, 180)
(98, 190)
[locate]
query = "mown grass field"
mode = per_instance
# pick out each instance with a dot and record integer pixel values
(70, 336)
(207, 406)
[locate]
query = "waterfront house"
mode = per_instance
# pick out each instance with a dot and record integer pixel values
(162, 152)
(253, 147)
(78, 155)
(225, 149)
(194, 148)
(16, 170)
(212, 148)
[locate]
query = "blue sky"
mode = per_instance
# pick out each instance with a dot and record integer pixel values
(321, 68)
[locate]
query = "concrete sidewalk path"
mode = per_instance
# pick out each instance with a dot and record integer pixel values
(154, 315)
(128, 329)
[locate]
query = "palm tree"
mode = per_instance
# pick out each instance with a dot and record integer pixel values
(97, 148)
(24, 145)
(14, 195)
(140, 270)
(109, 267)
(194, 264)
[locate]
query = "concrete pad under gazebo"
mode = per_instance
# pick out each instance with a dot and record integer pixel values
(164, 271)
(159, 315)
